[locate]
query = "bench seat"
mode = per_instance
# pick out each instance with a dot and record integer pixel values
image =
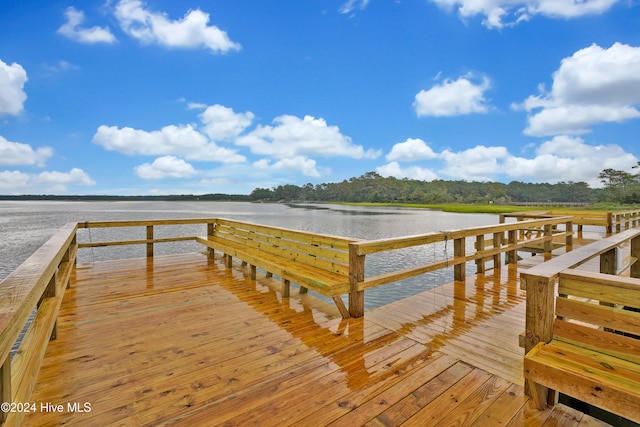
(306, 259)
(593, 377)
(594, 353)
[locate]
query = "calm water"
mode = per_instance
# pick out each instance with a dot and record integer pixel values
(25, 226)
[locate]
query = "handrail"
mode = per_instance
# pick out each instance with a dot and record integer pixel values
(35, 290)
(503, 238)
(483, 251)
(608, 219)
(149, 224)
(539, 281)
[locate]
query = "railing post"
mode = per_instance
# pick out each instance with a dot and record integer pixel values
(497, 243)
(210, 230)
(609, 223)
(540, 309)
(568, 228)
(609, 261)
(548, 244)
(539, 316)
(635, 253)
(480, 248)
(5, 386)
(150, 245)
(512, 256)
(459, 270)
(356, 274)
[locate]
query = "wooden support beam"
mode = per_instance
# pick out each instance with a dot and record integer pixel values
(356, 274)
(459, 270)
(548, 246)
(480, 247)
(286, 288)
(539, 315)
(497, 242)
(569, 237)
(608, 261)
(149, 237)
(635, 253)
(253, 272)
(512, 256)
(211, 228)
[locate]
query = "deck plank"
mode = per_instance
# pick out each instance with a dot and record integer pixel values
(182, 340)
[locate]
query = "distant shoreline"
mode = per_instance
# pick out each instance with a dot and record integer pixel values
(445, 207)
(165, 198)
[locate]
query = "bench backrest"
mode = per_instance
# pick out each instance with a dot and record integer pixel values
(600, 312)
(328, 253)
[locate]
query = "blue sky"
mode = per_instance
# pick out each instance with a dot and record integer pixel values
(191, 97)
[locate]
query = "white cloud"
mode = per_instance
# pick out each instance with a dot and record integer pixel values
(222, 123)
(12, 95)
(192, 31)
(71, 29)
(291, 144)
(59, 67)
(300, 163)
(452, 98)
(496, 12)
(165, 167)
(569, 158)
(413, 172)
(562, 158)
(15, 153)
(479, 163)
(13, 180)
(594, 85)
(183, 141)
(292, 137)
(74, 177)
(351, 5)
(49, 182)
(411, 150)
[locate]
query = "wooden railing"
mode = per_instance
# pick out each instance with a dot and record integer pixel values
(30, 298)
(612, 220)
(491, 242)
(490, 245)
(541, 281)
(149, 225)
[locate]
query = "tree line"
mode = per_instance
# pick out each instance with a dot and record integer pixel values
(619, 187)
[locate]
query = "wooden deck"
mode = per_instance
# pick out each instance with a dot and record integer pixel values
(181, 340)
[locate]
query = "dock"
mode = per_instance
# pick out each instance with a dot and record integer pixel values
(200, 339)
(184, 341)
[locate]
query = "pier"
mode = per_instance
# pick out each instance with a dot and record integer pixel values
(210, 338)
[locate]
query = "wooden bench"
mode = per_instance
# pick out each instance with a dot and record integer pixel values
(313, 261)
(594, 354)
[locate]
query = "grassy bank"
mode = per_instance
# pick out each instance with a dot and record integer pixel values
(494, 209)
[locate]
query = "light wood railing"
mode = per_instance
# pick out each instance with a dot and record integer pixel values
(150, 226)
(618, 255)
(540, 281)
(612, 220)
(30, 298)
(489, 246)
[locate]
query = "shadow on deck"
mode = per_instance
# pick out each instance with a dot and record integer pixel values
(181, 340)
